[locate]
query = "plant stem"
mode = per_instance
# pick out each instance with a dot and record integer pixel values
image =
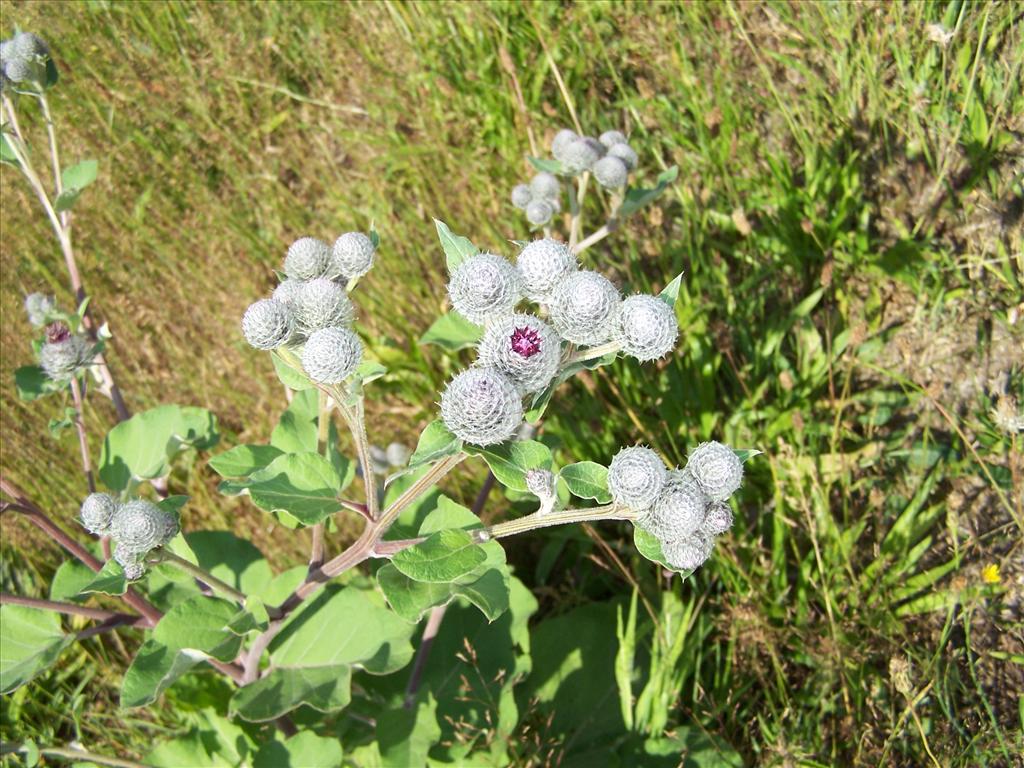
(58, 180)
(83, 441)
(414, 491)
(592, 353)
(356, 421)
(316, 550)
(577, 217)
(165, 556)
(546, 520)
(81, 756)
(72, 609)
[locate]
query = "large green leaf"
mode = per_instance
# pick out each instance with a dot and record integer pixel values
(587, 480)
(234, 560)
(32, 383)
(69, 581)
(456, 248)
(637, 198)
(30, 642)
(214, 742)
(434, 444)
(142, 447)
(290, 377)
(303, 750)
(109, 580)
(75, 179)
(408, 598)
(243, 460)
(305, 485)
(452, 332)
(442, 558)
(326, 689)
(512, 460)
(404, 736)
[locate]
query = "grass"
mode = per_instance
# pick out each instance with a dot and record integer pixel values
(848, 219)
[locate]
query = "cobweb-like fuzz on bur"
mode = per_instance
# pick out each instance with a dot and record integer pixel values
(268, 323)
(38, 306)
(539, 212)
(62, 358)
(288, 290)
(611, 138)
(635, 477)
(561, 143)
(542, 265)
(679, 509)
(139, 526)
(541, 483)
(484, 287)
(97, 511)
(581, 154)
(626, 154)
(584, 308)
(545, 186)
(330, 355)
(524, 348)
(352, 255)
(611, 172)
(689, 552)
(717, 469)
(717, 519)
(647, 327)
(481, 406)
(521, 196)
(130, 562)
(307, 258)
(321, 303)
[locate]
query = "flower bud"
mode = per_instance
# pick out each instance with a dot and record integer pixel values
(584, 308)
(539, 212)
(481, 406)
(545, 186)
(60, 360)
(267, 324)
(679, 509)
(131, 562)
(611, 138)
(287, 290)
(541, 483)
(352, 255)
(321, 303)
(543, 264)
(484, 287)
(24, 58)
(139, 526)
(688, 553)
(717, 469)
(521, 196)
(38, 308)
(647, 327)
(635, 477)
(97, 511)
(397, 454)
(307, 258)
(524, 348)
(717, 519)
(611, 172)
(580, 155)
(561, 142)
(625, 153)
(330, 355)
(26, 45)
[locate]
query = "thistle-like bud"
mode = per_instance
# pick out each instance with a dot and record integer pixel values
(688, 553)
(24, 59)
(131, 562)
(38, 308)
(481, 406)
(584, 308)
(580, 155)
(611, 138)
(717, 469)
(561, 143)
(647, 327)
(288, 290)
(521, 196)
(539, 212)
(307, 258)
(60, 360)
(636, 477)
(625, 153)
(524, 348)
(484, 287)
(26, 45)
(717, 519)
(679, 509)
(541, 483)
(321, 303)
(97, 511)
(543, 264)
(611, 172)
(139, 526)
(331, 355)
(267, 324)
(545, 186)
(352, 255)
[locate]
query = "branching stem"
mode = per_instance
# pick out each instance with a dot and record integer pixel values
(165, 556)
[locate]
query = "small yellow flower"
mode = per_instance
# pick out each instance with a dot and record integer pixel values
(990, 574)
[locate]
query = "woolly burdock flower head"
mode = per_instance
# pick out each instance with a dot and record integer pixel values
(484, 287)
(38, 307)
(679, 509)
(625, 153)
(307, 258)
(352, 255)
(636, 477)
(541, 483)
(717, 519)
(688, 553)
(611, 172)
(717, 469)
(611, 138)
(331, 355)
(139, 526)
(521, 196)
(287, 290)
(581, 154)
(545, 186)
(64, 354)
(561, 143)
(321, 303)
(584, 308)
(647, 327)
(267, 324)
(539, 212)
(542, 265)
(524, 348)
(481, 406)
(24, 58)
(131, 562)
(97, 511)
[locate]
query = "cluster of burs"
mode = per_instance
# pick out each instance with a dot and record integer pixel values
(136, 527)
(685, 509)
(63, 353)
(521, 353)
(23, 60)
(311, 308)
(609, 158)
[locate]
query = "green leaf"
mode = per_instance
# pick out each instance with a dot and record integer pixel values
(512, 460)
(57, 426)
(142, 447)
(408, 598)
(587, 480)
(404, 736)
(31, 640)
(296, 430)
(6, 153)
(290, 377)
(214, 742)
(456, 248)
(746, 454)
(81, 175)
(66, 200)
(33, 383)
(233, 560)
(109, 580)
(647, 544)
(305, 485)
(374, 238)
(671, 291)
(243, 460)
(548, 165)
(435, 443)
(326, 689)
(453, 332)
(442, 558)
(303, 750)
(69, 581)
(637, 198)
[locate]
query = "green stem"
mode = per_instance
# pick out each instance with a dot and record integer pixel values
(592, 353)
(355, 418)
(206, 578)
(417, 489)
(548, 519)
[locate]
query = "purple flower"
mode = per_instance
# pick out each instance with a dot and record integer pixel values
(525, 342)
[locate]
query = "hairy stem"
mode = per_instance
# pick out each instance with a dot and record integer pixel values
(201, 575)
(548, 519)
(592, 353)
(356, 421)
(577, 217)
(72, 609)
(83, 441)
(417, 489)
(323, 423)
(81, 756)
